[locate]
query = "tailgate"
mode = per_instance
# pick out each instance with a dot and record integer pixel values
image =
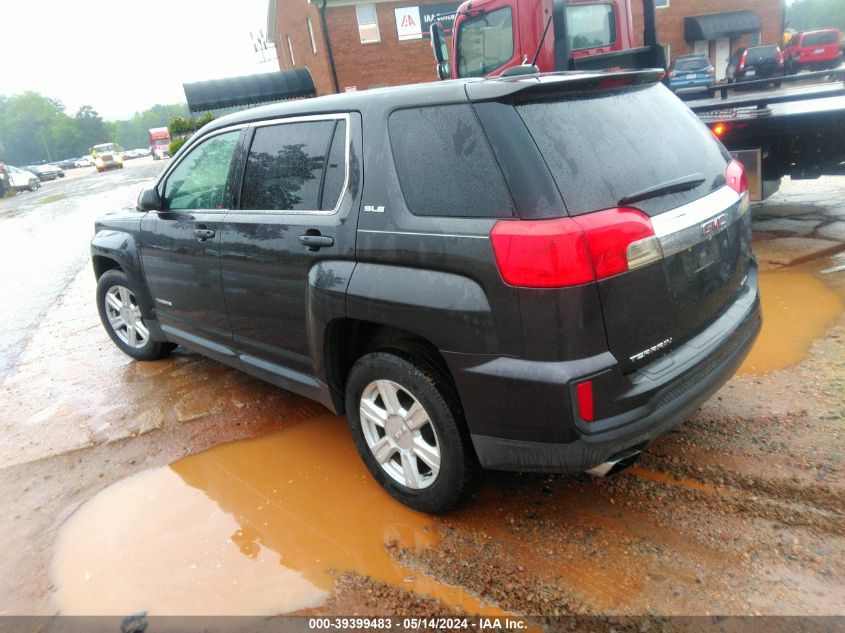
(602, 147)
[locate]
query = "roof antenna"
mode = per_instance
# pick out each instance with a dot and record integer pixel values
(542, 39)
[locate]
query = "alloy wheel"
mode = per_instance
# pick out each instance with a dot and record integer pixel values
(399, 432)
(125, 318)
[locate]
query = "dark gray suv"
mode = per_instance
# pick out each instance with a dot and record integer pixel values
(537, 273)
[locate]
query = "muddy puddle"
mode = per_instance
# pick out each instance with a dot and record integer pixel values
(797, 310)
(259, 527)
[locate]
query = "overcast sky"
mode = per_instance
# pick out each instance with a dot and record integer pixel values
(123, 56)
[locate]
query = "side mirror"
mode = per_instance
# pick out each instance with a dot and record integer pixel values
(149, 200)
(438, 43)
(443, 71)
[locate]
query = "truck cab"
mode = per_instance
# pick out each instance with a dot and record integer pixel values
(490, 36)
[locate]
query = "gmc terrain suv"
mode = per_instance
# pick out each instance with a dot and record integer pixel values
(535, 273)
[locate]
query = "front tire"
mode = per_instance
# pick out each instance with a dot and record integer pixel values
(408, 426)
(121, 316)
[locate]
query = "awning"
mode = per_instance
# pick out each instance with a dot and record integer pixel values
(249, 89)
(715, 25)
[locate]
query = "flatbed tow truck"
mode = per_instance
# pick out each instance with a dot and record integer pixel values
(796, 130)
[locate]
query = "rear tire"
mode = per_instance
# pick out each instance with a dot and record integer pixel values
(121, 316)
(413, 421)
(34, 184)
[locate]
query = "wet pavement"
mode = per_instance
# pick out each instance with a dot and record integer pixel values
(182, 486)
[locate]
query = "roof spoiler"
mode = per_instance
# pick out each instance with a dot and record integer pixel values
(546, 84)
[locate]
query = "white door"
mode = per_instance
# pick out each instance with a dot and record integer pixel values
(723, 54)
(701, 47)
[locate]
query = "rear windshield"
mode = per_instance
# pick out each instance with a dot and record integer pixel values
(761, 54)
(819, 39)
(603, 146)
(695, 63)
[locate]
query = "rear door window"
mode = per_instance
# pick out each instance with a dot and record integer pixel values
(697, 63)
(761, 54)
(444, 164)
(820, 39)
(602, 146)
(297, 166)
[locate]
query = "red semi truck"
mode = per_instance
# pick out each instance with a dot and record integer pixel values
(490, 36)
(159, 143)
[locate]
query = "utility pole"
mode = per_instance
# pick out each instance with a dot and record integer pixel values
(46, 149)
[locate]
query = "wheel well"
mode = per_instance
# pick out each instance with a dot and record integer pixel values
(347, 340)
(103, 264)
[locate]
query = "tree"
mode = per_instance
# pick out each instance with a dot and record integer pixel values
(805, 15)
(91, 127)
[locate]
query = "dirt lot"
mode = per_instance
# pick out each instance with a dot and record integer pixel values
(114, 505)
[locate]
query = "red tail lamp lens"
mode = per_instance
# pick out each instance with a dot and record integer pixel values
(736, 178)
(572, 251)
(719, 129)
(585, 400)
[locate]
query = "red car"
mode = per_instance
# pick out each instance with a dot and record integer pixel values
(816, 50)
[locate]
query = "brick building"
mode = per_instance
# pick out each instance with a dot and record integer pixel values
(361, 44)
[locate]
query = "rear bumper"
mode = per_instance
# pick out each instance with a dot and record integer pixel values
(528, 407)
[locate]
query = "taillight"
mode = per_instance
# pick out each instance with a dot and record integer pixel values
(711, 71)
(672, 74)
(719, 129)
(572, 251)
(780, 57)
(735, 176)
(742, 60)
(738, 181)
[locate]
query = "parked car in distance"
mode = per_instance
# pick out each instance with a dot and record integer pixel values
(814, 50)
(131, 154)
(107, 156)
(691, 73)
(46, 171)
(84, 161)
(512, 287)
(755, 63)
(69, 163)
(21, 179)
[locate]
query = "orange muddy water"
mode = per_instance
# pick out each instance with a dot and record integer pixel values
(797, 310)
(252, 527)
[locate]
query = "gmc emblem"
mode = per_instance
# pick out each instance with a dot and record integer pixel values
(711, 227)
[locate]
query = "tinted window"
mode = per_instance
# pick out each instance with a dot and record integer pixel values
(444, 164)
(761, 54)
(485, 43)
(285, 167)
(693, 63)
(646, 137)
(199, 180)
(590, 25)
(820, 39)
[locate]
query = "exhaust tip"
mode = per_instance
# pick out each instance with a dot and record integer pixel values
(618, 462)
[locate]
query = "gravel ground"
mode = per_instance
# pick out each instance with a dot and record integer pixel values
(739, 511)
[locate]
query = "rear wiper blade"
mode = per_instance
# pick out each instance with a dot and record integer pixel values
(684, 183)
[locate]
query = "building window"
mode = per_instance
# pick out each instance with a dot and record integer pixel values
(290, 48)
(661, 4)
(367, 23)
(311, 35)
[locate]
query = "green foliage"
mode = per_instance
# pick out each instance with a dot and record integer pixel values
(181, 126)
(806, 15)
(31, 124)
(175, 145)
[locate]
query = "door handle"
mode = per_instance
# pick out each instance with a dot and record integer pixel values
(314, 241)
(203, 234)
